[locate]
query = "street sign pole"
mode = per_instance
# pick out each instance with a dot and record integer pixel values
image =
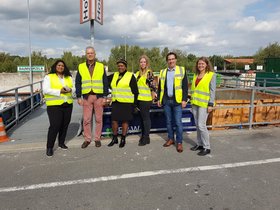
(92, 32)
(91, 10)
(30, 65)
(29, 45)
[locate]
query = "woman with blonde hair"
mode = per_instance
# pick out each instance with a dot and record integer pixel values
(147, 92)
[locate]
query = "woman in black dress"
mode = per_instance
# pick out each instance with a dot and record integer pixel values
(124, 96)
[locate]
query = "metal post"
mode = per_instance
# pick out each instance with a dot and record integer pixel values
(251, 107)
(17, 106)
(30, 64)
(29, 38)
(125, 47)
(92, 32)
(41, 94)
(125, 37)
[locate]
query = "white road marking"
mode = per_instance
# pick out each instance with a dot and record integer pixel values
(137, 175)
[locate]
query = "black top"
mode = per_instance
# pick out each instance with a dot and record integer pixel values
(184, 89)
(132, 84)
(78, 85)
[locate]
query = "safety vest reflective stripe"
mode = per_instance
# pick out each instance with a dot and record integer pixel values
(199, 99)
(93, 87)
(200, 94)
(144, 90)
(58, 98)
(178, 88)
(122, 91)
(89, 81)
(123, 96)
(178, 79)
(94, 83)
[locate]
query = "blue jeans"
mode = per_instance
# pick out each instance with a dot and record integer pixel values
(173, 111)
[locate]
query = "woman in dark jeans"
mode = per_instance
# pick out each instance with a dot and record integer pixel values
(147, 92)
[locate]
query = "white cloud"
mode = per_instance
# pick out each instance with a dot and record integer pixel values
(200, 27)
(251, 24)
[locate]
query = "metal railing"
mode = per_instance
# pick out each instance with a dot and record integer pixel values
(22, 104)
(252, 106)
(14, 113)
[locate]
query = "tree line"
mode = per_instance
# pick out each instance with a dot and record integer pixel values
(9, 63)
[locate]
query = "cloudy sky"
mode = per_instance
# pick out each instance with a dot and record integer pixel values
(200, 27)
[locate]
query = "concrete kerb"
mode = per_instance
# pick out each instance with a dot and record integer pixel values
(21, 146)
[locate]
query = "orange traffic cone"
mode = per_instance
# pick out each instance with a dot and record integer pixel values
(3, 135)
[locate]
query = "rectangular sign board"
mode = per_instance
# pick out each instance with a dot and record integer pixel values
(91, 9)
(34, 68)
(99, 11)
(85, 11)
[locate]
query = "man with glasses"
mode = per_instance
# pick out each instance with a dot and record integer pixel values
(173, 93)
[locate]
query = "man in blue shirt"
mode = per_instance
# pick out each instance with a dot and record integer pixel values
(173, 94)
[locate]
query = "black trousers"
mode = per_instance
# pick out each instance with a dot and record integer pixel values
(144, 107)
(59, 118)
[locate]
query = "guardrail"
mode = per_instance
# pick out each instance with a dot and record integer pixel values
(21, 108)
(23, 103)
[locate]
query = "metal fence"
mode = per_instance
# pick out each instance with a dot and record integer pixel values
(21, 103)
(273, 91)
(23, 106)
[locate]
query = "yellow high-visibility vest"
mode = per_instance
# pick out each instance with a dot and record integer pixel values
(55, 83)
(122, 92)
(94, 83)
(178, 78)
(144, 89)
(200, 94)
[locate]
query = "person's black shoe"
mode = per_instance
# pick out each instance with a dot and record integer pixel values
(85, 144)
(148, 140)
(144, 141)
(63, 146)
(122, 143)
(114, 141)
(98, 143)
(204, 152)
(196, 147)
(49, 152)
(141, 139)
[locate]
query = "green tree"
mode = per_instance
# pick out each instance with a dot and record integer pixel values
(156, 59)
(67, 57)
(164, 52)
(217, 60)
(271, 51)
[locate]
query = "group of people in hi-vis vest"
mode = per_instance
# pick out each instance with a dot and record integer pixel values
(129, 92)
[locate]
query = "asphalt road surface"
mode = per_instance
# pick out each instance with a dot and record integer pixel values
(242, 172)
